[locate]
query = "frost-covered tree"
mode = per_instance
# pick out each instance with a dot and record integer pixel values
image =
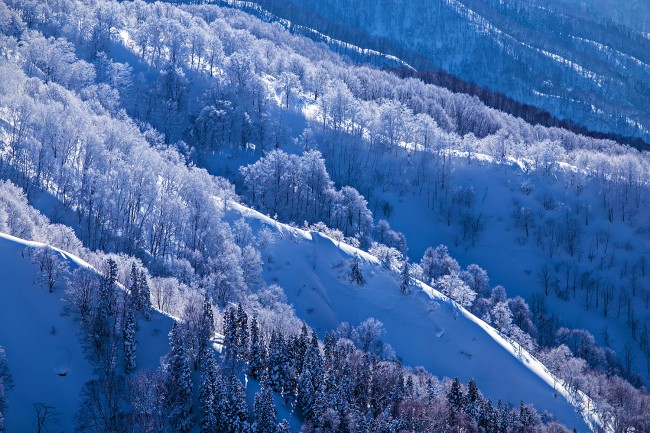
(81, 291)
(438, 263)
(264, 411)
(405, 280)
(179, 380)
(355, 272)
(210, 394)
(107, 290)
(477, 280)
(454, 287)
(50, 265)
(257, 353)
(130, 342)
(236, 413)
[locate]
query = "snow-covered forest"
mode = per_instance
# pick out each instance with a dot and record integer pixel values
(276, 210)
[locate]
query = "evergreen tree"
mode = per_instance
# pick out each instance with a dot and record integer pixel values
(526, 416)
(130, 342)
(204, 331)
(257, 357)
(236, 414)
(405, 279)
(144, 295)
(306, 393)
(455, 396)
(264, 410)
(356, 275)
(107, 295)
(329, 348)
(180, 380)
(278, 364)
(134, 289)
(241, 333)
(300, 346)
(488, 418)
(210, 395)
(229, 340)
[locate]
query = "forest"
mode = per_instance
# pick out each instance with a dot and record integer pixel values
(128, 131)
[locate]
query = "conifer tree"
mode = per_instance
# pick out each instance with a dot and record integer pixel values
(236, 413)
(264, 410)
(257, 357)
(241, 333)
(277, 364)
(107, 295)
(144, 295)
(130, 342)
(180, 380)
(405, 279)
(204, 330)
(134, 289)
(356, 275)
(455, 396)
(306, 393)
(229, 340)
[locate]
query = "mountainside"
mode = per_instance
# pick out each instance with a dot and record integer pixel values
(576, 65)
(248, 181)
(42, 340)
(425, 328)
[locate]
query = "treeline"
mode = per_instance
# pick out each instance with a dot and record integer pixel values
(529, 113)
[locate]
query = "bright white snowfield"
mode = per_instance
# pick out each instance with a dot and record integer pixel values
(45, 357)
(425, 328)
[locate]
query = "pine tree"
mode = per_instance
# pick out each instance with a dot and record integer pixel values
(204, 330)
(241, 332)
(264, 410)
(278, 361)
(306, 393)
(405, 279)
(107, 295)
(356, 275)
(229, 340)
(130, 342)
(488, 417)
(209, 395)
(329, 348)
(236, 415)
(455, 396)
(180, 379)
(257, 357)
(314, 360)
(144, 295)
(473, 400)
(300, 345)
(134, 288)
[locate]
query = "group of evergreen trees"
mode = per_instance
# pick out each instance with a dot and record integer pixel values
(336, 387)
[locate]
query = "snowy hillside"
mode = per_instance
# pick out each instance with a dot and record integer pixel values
(246, 180)
(45, 356)
(568, 60)
(425, 328)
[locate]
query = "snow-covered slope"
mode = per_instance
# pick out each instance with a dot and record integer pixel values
(425, 328)
(45, 358)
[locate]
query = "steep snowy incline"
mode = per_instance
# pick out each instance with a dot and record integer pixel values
(45, 357)
(425, 328)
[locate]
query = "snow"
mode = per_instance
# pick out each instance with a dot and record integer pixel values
(425, 328)
(45, 357)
